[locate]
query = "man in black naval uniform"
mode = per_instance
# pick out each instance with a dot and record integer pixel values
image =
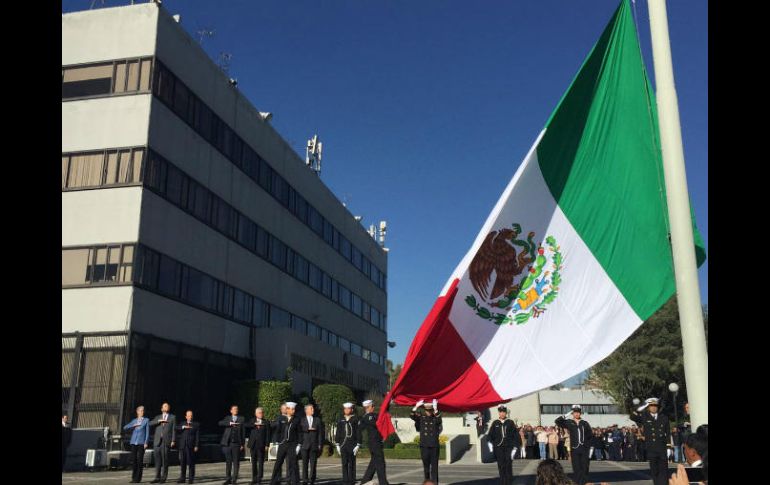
(504, 440)
(346, 441)
(288, 446)
(274, 427)
(429, 426)
(580, 435)
(259, 441)
(657, 434)
(369, 423)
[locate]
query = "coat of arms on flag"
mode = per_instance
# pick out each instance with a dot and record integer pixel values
(524, 283)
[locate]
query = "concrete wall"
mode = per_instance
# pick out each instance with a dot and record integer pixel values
(456, 447)
(108, 33)
(95, 309)
(119, 121)
(100, 216)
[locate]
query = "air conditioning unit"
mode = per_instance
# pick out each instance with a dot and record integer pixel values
(96, 458)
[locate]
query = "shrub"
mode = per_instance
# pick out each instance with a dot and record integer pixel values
(271, 395)
(328, 399)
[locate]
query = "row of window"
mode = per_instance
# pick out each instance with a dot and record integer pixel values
(101, 168)
(114, 264)
(178, 97)
(178, 188)
(123, 76)
(587, 408)
(114, 167)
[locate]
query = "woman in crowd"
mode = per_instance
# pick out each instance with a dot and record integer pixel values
(542, 441)
(553, 443)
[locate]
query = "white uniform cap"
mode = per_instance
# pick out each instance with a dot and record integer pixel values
(291, 405)
(652, 400)
(368, 402)
(347, 405)
(576, 407)
(428, 405)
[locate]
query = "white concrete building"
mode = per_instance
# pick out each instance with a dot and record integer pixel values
(197, 247)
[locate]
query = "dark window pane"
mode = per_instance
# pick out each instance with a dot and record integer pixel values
(247, 232)
(345, 247)
(315, 220)
(356, 304)
(147, 264)
(277, 253)
(328, 232)
(300, 268)
(327, 285)
(259, 316)
(176, 186)
(263, 239)
(181, 100)
(279, 318)
(315, 277)
(265, 175)
(169, 280)
(86, 81)
(298, 324)
(301, 208)
(242, 307)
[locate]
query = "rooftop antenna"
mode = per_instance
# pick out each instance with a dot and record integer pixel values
(204, 32)
(224, 61)
(383, 232)
(372, 231)
(313, 154)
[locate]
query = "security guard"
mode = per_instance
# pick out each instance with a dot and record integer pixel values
(429, 426)
(377, 462)
(657, 434)
(580, 435)
(346, 441)
(503, 441)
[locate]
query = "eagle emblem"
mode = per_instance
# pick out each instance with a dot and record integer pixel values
(521, 296)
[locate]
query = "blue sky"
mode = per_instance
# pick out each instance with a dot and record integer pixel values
(427, 108)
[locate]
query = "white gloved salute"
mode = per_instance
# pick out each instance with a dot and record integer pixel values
(298, 447)
(355, 450)
(491, 448)
(513, 452)
(435, 405)
(418, 404)
(338, 450)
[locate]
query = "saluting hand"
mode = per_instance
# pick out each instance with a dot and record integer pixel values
(172, 444)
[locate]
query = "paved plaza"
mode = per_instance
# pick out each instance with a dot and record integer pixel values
(403, 472)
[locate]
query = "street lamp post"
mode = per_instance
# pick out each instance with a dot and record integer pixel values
(674, 388)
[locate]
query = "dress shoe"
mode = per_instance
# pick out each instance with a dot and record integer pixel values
(157, 480)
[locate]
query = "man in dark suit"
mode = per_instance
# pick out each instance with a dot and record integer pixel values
(346, 441)
(287, 437)
(275, 432)
(164, 439)
(312, 436)
(232, 443)
(188, 446)
(657, 434)
(377, 462)
(259, 442)
(66, 439)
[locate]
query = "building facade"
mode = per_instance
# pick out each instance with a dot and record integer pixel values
(198, 249)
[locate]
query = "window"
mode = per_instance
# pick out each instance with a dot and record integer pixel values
(225, 301)
(375, 357)
(366, 314)
(263, 239)
(170, 277)
(176, 186)
(87, 81)
(181, 100)
(357, 261)
(280, 189)
(260, 315)
(355, 349)
(301, 208)
(164, 85)
(277, 252)
(327, 285)
(127, 264)
(332, 339)
(345, 247)
(344, 344)
(242, 307)
(85, 170)
(147, 265)
(265, 176)
(299, 324)
(300, 268)
(316, 277)
(328, 232)
(132, 82)
(313, 331)
(344, 297)
(279, 318)
(247, 232)
(356, 304)
(200, 205)
(74, 264)
(250, 163)
(200, 289)
(315, 221)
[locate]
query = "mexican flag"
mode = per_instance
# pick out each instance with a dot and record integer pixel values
(574, 256)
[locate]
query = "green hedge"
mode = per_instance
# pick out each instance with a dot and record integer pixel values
(271, 395)
(391, 441)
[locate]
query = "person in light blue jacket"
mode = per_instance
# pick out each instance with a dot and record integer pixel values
(140, 438)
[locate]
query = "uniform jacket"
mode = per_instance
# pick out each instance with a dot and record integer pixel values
(429, 427)
(347, 434)
(657, 431)
(369, 423)
(504, 433)
(579, 433)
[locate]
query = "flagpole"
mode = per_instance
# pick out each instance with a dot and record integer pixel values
(682, 242)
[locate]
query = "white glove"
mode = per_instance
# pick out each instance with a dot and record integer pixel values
(642, 407)
(355, 450)
(568, 415)
(298, 447)
(513, 452)
(435, 405)
(418, 404)
(591, 453)
(338, 450)
(491, 448)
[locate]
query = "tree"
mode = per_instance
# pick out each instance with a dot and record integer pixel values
(393, 372)
(645, 364)
(329, 398)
